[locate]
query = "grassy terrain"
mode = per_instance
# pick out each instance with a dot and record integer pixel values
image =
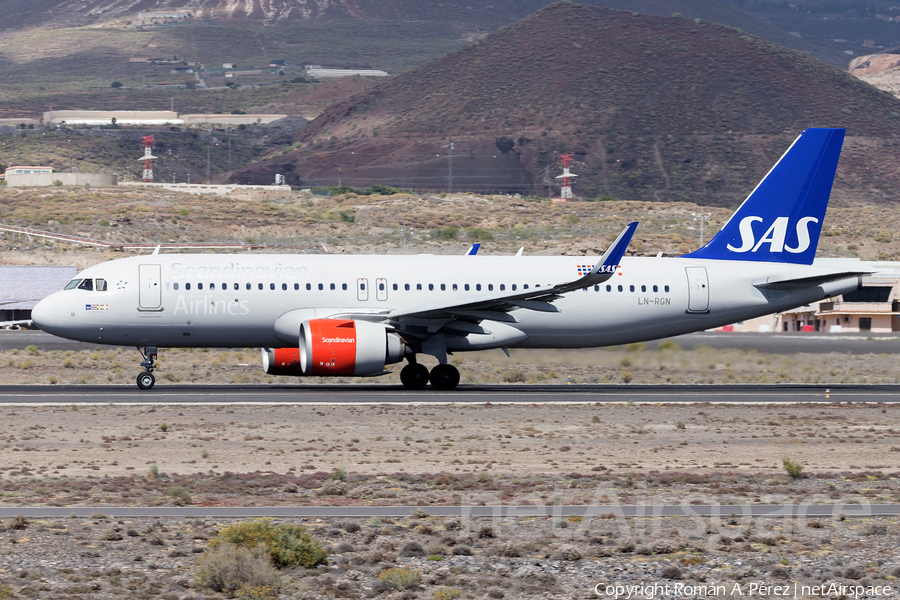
(631, 364)
(102, 97)
(662, 108)
(40, 70)
(179, 154)
(442, 224)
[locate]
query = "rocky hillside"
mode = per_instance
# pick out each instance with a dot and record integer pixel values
(880, 70)
(654, 108)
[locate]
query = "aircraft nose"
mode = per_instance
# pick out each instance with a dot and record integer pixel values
(42, 314)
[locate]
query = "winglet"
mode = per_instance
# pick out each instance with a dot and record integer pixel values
(605, 267)
(609, 262)
(473, 249)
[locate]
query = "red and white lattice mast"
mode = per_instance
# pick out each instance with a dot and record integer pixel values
(565, 192)
(147, 143)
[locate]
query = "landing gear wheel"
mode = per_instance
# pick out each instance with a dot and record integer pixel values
(444, 377)
(414, 377)
(146, 380)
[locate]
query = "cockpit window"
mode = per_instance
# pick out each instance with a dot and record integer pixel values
(86, 284)
(72, 284)
(100, 284)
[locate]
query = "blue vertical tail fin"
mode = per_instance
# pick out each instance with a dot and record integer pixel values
(780, 221)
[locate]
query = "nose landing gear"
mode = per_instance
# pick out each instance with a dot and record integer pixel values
(146, 379)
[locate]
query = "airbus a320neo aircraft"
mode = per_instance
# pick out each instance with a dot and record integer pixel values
(352, 315)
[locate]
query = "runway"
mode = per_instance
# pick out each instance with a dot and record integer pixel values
(584, 511)
(180, 394)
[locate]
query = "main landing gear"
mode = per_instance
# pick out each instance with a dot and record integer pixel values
(146, 379)
(442, 377)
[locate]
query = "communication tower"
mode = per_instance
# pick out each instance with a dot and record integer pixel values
(147, 143)
(565, 192)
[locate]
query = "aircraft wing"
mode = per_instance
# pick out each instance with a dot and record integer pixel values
(496, 306)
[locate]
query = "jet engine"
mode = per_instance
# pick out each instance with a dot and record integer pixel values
(333, 347)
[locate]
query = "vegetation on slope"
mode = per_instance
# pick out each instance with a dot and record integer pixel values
(652, 107)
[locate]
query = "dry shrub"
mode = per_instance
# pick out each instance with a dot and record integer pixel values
(412, 549)
(567, 553)
(401, 578)
(288, 546)
(229, 568)
(671, 572)
(350, 527)
(18, 522)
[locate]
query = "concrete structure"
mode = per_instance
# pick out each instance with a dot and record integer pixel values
(153, 117)
(25, 171)
(21, 288)
(14, 122)
(48, 179)
(229, 120)
(105, 117)
(317, 72)
(171, 14)
(219, 190)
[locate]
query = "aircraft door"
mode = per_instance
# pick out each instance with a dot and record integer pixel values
(362, 290)
(698, 289)
(381, 289)
(149, 287)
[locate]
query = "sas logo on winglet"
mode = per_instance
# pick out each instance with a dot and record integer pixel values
(774, 236)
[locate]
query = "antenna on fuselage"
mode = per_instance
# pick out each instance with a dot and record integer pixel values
(521, 250)
(155, 252)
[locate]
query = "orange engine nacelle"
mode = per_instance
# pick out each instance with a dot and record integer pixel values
(281, 361)
(333, 347)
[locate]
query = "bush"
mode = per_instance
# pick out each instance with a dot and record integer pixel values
(230, 568)
(671, 572)
(382, 190)
(479, 234)
(180, 494)
(401, 578)
(19, 522)
(116, 84)
(412, 549)
(444, 233)
(794, 469)
(288, 546)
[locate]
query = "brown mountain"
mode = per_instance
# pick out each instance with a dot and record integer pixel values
(652, 108)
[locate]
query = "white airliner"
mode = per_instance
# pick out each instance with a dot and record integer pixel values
(352, 315)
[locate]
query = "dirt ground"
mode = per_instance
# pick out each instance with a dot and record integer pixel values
(640, 441)
(453, 454)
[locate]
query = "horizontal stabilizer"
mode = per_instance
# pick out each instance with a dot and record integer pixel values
(805, 282)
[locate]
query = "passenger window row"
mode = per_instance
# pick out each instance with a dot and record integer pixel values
(381, 286)
(631, 288)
